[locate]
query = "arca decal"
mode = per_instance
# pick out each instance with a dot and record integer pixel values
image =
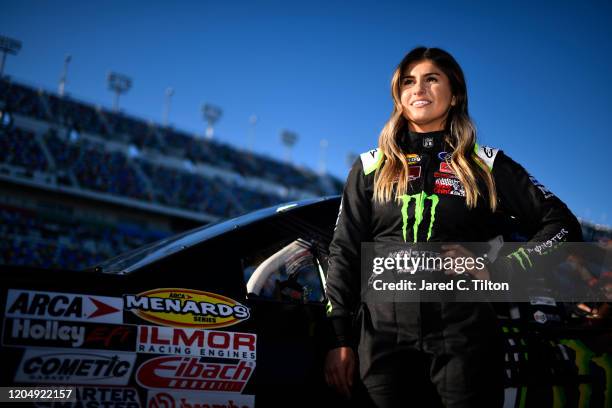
(63, 306)
(188, 308)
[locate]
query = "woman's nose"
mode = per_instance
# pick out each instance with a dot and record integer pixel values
(419, 88)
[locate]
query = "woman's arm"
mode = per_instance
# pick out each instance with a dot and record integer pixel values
(547, 217)
(343, 275)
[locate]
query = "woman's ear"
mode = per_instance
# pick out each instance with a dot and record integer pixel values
(453, 100)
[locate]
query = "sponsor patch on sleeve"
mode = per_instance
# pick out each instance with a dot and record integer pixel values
(486, 154)
(547, 193)
(371, 160)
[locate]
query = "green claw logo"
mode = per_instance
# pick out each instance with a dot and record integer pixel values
(419, 201)
(521, 256)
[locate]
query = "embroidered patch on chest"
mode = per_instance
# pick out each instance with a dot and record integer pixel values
(449, 186)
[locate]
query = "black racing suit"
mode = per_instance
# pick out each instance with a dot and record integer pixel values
(451, 351)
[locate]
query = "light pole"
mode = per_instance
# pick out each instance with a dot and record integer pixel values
(289, 139)
(169, 93)
(323, 144)
(211, 115)
(62, 83)
(252, 129)
(119, 84)
(8, 46)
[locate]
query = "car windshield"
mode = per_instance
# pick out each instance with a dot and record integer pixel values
(144, 255)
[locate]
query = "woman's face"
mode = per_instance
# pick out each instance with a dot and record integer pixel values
(426, 96)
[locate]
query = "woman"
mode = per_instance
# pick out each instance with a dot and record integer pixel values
(428, 180)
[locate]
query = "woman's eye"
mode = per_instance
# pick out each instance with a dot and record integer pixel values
(432, 79)
(407, 82)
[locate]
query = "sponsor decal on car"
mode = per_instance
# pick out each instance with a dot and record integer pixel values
(63, 306)
(191, 399)
(53, 366)
(190, 373)
(202, 343)
(99, 397)
(55, 333)
(186, 308)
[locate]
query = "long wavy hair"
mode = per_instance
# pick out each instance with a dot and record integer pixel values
(460, 134)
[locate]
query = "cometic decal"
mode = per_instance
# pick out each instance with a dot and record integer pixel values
(63, 306)
(194, 342)
(49, 366)
(54, 333)
(99, 397)
(186, 308)
(189, 373)
(192, 399)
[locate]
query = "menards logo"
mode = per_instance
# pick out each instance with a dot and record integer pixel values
(186, 308)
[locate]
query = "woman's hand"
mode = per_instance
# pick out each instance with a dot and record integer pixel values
(458, 251)
(340, 369)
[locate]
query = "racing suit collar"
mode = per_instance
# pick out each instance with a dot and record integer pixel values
(414, 141)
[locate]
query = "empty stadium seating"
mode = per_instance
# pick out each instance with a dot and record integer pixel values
(87, 148)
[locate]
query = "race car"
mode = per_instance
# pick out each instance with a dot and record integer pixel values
(233, 315)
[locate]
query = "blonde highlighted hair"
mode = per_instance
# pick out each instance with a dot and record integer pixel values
(391, 179)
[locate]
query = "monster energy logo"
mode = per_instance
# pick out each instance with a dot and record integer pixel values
(328, 308)
(419, 200)
(521, 256)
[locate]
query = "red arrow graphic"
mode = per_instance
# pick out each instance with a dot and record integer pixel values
(101, 309)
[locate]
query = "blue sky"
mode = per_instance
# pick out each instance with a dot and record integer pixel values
(537, 72)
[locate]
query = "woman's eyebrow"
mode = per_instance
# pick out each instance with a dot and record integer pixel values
(427, 74)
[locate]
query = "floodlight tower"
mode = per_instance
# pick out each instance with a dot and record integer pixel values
(211, 115)
(8, 46)
(323, 144)
(168, 100)
(252, 128)
(289, 139)
(119, 84)
(62, 83)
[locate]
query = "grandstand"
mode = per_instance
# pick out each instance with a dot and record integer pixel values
(79, 183)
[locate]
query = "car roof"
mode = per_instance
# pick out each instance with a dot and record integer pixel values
(147, 254)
